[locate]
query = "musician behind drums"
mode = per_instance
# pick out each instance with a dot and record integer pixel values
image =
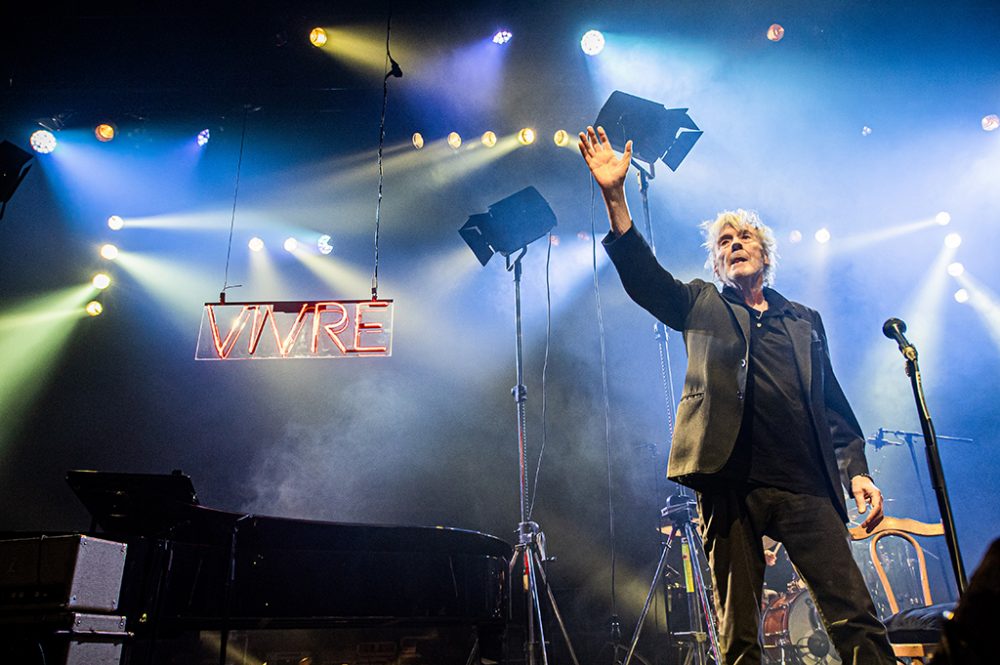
(764, 432)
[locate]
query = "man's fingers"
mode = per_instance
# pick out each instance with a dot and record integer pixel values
(604, 137)
(859, 499)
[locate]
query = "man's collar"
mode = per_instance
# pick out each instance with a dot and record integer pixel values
(776, 302)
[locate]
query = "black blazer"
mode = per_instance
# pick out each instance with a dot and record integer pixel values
(715, 336)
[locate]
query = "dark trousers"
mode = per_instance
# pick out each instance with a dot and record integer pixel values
(733, 522)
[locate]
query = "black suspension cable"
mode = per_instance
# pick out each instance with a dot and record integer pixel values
(545, 368)
(236, 193)
(607, 403)
(391, 68)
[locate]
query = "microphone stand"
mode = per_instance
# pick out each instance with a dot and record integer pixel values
(935, 469)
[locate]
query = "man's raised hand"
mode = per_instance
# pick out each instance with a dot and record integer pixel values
(607, 168)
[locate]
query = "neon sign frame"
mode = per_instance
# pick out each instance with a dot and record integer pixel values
(339, 329)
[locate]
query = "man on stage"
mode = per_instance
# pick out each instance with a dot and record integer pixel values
(764, 432)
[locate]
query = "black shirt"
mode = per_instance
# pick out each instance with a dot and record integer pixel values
(776, 445)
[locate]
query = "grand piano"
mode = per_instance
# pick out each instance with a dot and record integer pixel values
(208, 586)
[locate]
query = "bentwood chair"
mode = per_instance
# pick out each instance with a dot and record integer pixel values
(913, 631)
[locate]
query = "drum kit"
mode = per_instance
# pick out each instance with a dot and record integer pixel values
(791, 630)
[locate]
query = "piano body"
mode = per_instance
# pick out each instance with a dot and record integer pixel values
(207, 586)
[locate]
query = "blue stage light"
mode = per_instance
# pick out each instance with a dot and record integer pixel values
(43, 141)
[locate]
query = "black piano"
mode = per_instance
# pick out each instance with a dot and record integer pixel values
(207, 586)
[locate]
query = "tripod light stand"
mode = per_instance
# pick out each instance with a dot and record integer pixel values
(661, 134)
(508, 228)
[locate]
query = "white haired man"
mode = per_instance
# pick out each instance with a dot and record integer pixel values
(764, 433)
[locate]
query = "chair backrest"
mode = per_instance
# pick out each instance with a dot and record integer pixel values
(903, 528)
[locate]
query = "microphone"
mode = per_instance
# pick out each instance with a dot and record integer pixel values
(894, 329)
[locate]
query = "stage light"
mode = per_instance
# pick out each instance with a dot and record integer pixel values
(418, 140)
(942, 218)
(101, 281)
(203, 137)
(592, 42)
(526, 136)
(866, 131)
(323, 244)
(510, 225)
(94, 308)
(318, 37)
(961, 296)
(991, 122)
(502, 37)
(489, 139)
(823, 236)
(455, 140)
(291, 244)
(582, 235)
(795, 236)
(561, 138)
(105, 132)
(255, 244)
(109, 252)
(952, 240)
(775, 32)
(955, 269)
(116, 223)
(43, 141)
(554, 240)
(656, 132)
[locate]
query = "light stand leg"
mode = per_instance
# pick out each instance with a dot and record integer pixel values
(649, 597)
(699, 581)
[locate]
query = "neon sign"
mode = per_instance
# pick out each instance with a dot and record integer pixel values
(279, 330)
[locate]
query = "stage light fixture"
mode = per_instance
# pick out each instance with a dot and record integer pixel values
(991, 122)
(561, 138)
(952, 240)
(116, 223)
(592, 42)
(255, 244)
(109, 252)
(943, 218)
(656, 132)
(203, 137)
(775, 32)
(101, 281)
(43, 141)
(323, 244)
(526, 136)
(961, 296)
(455, 140)
(291, 244)
(94, 308)
(956, 269)
(502, 37)
(823, 236)
(13, 168)
(105, 132)
(418, 140)
(318, 37)
(510, 225)
(489, 139)
(795, 236)
(866, 131)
